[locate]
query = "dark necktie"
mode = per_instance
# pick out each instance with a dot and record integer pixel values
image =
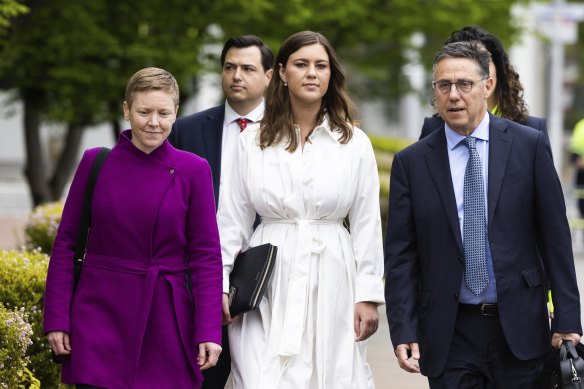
(474, 227)
(242, 123)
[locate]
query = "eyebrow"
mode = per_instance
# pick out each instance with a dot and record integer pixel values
(243, 64)
(307, 60)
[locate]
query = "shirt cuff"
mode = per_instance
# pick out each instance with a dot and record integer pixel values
(225, 281)
(369, 288)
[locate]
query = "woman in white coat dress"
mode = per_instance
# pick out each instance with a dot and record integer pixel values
(304, 170)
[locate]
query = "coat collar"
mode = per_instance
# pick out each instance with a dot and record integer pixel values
(439, 167)
(499, 151)
(162, 154)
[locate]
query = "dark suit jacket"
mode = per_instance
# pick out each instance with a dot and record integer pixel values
(424, 255)
(435, 122)
(201, 134)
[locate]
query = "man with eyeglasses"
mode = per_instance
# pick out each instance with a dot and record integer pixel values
(469, 205)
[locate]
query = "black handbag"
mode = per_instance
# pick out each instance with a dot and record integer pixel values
(571, 371)
(84, 223)
(249, 278)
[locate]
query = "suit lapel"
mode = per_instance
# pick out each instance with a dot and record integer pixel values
(499, 148)
(439, 167)
(212, 131)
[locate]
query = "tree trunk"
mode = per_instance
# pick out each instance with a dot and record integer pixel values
(35, 158)
(67, 162)
(116, 130)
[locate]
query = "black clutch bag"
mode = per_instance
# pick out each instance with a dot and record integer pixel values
(249, 278)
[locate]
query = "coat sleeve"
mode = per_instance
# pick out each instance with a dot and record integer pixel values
(401, 259)
(204, 257)
(555, 242)
(236, 213)
(59, 284)
(365, 226)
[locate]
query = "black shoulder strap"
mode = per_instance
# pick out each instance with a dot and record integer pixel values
(85, 222)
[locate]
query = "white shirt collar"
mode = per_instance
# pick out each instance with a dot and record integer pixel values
(453, 138)
(255, 115)
(324, 127)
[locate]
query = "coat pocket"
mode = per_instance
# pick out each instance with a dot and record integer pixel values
(532, 276)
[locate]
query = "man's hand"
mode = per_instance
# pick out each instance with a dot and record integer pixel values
(403, 352)
(366, 320)
(559, 337)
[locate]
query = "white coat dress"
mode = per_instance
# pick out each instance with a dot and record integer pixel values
(302, 334)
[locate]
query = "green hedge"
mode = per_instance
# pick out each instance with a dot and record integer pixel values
(22, 286)
(42, 225)
(15, 333)
(385, 148)
(389, 144)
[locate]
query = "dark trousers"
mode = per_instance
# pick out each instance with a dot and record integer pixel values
(216, 377)
(480, 358)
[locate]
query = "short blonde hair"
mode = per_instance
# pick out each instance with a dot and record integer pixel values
(149, 79)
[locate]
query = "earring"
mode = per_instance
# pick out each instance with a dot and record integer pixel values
(285, 84)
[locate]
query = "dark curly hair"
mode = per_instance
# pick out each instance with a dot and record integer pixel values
(509, 90)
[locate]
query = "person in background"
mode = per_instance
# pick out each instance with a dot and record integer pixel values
(507, 99)
(303, 170)
(469, 206)
(131, 321)
(577, 150)
(213, 134)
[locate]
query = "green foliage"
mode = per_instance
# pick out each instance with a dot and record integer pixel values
(42, 225)
(10, 9)
(28, 380)
(15, 335)
(74, 57)
(373, 37)
(385, 148)
(389, 144)
(22, 286)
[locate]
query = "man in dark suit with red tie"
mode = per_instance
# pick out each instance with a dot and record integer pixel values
(213, 134)
(469, 207)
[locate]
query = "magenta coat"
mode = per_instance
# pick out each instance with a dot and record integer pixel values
(131, 320)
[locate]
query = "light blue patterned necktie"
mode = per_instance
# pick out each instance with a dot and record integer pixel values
(474, 229)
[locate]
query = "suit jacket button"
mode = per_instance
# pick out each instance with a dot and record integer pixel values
(455, 296)
(461, 259)
(171, 171)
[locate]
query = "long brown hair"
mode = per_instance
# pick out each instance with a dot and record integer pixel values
(278, 125)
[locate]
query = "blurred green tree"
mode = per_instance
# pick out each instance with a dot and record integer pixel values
(68, 60)
(8, 10)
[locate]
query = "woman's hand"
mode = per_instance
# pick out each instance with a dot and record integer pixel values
(227, 319)
(366, 320)
(59, 342)
(208, 354)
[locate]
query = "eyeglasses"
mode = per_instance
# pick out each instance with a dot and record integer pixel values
(462, 86)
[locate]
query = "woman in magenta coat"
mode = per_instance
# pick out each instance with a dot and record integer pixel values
(132, 322)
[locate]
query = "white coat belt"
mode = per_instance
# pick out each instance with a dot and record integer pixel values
(296, 301)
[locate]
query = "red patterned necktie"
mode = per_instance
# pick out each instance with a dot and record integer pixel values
(242, 123)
